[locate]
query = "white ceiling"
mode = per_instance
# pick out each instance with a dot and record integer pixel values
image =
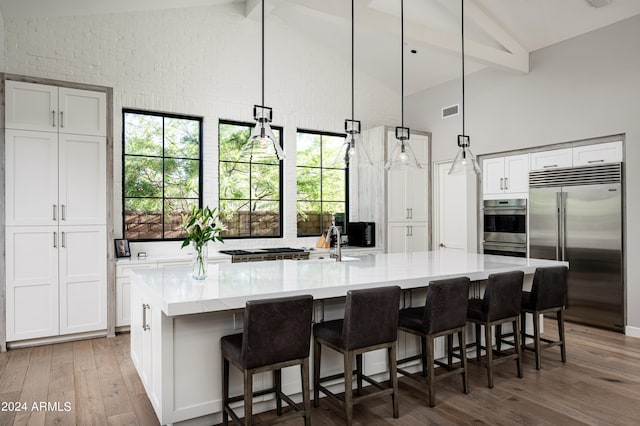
(498, 33)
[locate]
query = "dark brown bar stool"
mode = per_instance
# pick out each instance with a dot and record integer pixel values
(277, 334)
(548, 294)
(444, 314)
(370, 323)
(500, 304)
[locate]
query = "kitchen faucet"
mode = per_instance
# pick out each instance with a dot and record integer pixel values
(333, 229)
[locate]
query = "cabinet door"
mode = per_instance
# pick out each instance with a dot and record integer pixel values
(31, 106)
(417, 193)
(418, 237)
(83, 112)
(83, 279)
(493, 175)
(516, 169)
(597, 154)
(397, 236)
(32, 282)
(31, 178)
(551, 159)
(397, 209)
(83, 185)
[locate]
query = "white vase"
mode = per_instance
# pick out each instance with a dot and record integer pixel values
(199, 264)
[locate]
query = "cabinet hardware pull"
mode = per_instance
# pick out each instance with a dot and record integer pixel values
(407, 231)
(55, 239)
(145, 326)
(411, 230)
(595, 161)
(53, 118)
(411, 213)
(548, 166)
(407, 214)
(64, 212)
(506, 183)
(501, 183)
(55, 207)
(61, 119)
(64, 240)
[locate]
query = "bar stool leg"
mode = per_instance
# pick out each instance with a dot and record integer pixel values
(489, 350)
(393, 378)
(359, 374)
(450, 350)
(563, 350)
(248, 397)
(523, 329)
(305, 392)
(536, 337)
(478, 342)
(463, 360)
(431, 369)
(423, 351)
(348, 390)
(516, 340)
(277, 384)
(225, 390)
(498, 337)
(317, 353)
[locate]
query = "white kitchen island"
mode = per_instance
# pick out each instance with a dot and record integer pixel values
(177, 322)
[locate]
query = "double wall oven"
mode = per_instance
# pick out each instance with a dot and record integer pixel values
(505, 227)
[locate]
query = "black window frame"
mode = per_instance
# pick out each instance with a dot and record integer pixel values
(322, 133)
(250, 126)
(200, 120)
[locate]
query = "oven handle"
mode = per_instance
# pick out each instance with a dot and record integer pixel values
(493, 211)
(519, 248)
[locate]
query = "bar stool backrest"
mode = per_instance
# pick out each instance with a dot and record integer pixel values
(276, 330)
(503, 295)
(446, 305)
(549, 288)
(370, 317)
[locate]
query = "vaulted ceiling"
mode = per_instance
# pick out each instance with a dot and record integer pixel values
(498, 33)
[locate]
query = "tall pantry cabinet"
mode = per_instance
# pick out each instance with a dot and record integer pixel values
(55, 210)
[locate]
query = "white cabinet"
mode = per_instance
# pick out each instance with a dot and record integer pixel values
(553, 159)
(588, 155)
(31, 106)
(408, 199)
(506, 175)
(55, 179)
(123, 291)
(406, 238)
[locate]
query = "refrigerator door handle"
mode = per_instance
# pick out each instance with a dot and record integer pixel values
(558, 225)
(563, 221)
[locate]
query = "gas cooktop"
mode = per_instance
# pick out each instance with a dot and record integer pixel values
(274, 253)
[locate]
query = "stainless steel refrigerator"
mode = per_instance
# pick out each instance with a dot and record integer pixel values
(576, 215)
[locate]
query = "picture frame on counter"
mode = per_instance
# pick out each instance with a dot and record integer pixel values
(122, 248)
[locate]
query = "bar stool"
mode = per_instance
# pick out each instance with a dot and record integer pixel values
(370, 323)
(444, 314)
(277, 334)
(548, 294)
(500, 304)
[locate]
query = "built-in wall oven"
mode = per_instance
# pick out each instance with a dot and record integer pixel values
(505, 227)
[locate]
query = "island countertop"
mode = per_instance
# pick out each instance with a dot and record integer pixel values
(229, 286)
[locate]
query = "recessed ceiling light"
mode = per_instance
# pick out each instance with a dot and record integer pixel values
(599, 3)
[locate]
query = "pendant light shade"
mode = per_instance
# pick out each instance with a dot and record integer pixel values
(402, 154)
(353, 152)
(262, 144)
(465, 161)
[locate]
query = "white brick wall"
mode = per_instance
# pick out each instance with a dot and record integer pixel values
(203, 61)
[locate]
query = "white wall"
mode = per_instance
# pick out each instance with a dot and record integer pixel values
(203, 61)
(2, 50)
(582, 88)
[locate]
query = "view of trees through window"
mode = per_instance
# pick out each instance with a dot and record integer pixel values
(161, 168)
(321, 180)
(250, 192)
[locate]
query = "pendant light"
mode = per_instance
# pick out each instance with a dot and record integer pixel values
(262, 143)
(465, 161)
(402, 155)
(353, 150)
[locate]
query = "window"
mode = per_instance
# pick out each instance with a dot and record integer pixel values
(322, 182)
(162, 171)
(250, 192)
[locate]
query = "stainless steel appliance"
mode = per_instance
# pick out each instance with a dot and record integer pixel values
(505, 227)
(258, 255)
(576, 215)
(362, 234)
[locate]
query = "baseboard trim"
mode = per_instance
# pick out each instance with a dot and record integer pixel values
(55, 339)
(632, 331)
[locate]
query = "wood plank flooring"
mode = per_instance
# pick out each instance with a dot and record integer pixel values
(599, 384)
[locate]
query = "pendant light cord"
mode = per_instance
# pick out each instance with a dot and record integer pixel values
(353, 79)
(263, 53)
(402, 58)
(462, 33)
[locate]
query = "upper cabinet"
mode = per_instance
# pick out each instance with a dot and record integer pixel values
(506, 175)
(586, 155)
(40, 107)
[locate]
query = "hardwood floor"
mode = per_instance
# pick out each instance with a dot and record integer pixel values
(599, 384)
